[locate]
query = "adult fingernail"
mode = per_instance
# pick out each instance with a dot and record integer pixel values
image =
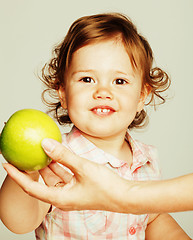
(48, 144)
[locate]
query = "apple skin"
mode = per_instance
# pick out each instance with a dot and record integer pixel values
(21, 137)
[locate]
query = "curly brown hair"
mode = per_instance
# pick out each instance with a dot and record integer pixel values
(89, 29)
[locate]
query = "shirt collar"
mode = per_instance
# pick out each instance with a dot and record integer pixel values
(80, 145)
(140, 151)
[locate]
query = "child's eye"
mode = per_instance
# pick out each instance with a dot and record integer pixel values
(120, 81)
(87, 80)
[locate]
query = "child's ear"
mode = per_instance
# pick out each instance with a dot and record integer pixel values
(144, 94)
(62, 97)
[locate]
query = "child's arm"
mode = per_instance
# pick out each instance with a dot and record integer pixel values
(163, 226)
(20, 212)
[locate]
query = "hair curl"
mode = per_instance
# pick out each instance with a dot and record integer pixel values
(89, 29)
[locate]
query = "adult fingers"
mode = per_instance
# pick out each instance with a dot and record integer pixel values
(65, 174)
(49, 177)
(61, 154)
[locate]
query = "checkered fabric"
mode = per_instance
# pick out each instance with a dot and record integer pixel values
(102, 225)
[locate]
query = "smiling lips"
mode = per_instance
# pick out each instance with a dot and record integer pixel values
(103, 110)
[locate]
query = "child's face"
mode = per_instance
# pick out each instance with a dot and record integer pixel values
(102, 91)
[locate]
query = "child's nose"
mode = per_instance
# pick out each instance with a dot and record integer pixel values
(103, 93)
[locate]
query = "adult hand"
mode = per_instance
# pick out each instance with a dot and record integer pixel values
(93, 186)
(90, 187)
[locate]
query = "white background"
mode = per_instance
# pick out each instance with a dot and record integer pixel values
(28, 32)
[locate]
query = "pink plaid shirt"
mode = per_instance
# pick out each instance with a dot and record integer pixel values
(102, 225)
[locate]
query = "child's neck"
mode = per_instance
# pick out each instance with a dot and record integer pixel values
(116, 146)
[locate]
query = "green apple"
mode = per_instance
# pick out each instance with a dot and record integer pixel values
(21, 137)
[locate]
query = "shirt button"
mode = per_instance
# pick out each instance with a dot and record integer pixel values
(132, 230)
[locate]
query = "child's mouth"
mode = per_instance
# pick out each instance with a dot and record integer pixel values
(103, 110)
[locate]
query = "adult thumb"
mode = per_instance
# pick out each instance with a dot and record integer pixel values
(59, 153)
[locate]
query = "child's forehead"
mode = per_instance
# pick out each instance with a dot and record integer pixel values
(100, 50)
(101, 47)
(104, 47)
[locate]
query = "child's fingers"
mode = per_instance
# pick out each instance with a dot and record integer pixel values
(61, 154)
